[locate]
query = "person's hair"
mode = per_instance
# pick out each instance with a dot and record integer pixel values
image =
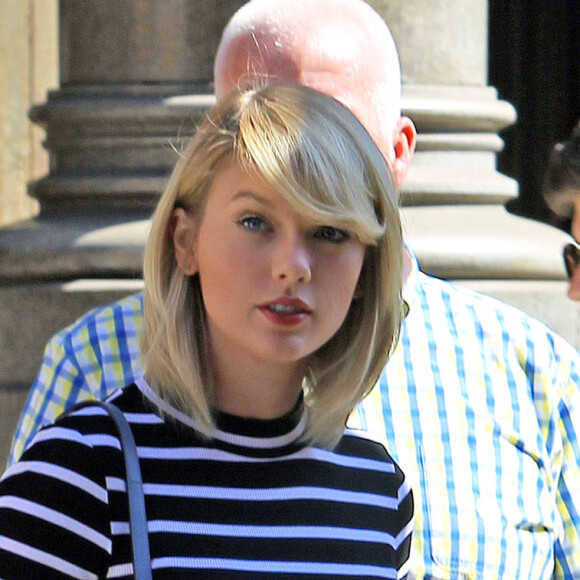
(316, 154)
(562, 180)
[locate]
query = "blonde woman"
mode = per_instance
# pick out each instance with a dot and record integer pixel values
(273, 298)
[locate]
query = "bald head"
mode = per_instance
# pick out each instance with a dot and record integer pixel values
(339, 47)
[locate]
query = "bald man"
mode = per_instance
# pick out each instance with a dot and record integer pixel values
(479, 404)
(350, 55)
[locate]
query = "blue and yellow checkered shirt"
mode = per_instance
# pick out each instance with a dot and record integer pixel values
(479, 404)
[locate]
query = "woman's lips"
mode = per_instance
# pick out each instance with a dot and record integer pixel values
(286, 311)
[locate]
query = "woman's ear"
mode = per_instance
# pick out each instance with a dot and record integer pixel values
(183, 228)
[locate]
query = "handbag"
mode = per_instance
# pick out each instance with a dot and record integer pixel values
(135, 496)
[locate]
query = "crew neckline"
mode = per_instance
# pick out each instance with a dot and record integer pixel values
(255, 427)
(241, 431)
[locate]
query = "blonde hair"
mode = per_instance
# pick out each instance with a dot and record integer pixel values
(322, 161)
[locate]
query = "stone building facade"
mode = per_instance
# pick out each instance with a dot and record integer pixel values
(133, 78)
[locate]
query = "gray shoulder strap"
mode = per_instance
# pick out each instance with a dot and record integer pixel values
(135, 495)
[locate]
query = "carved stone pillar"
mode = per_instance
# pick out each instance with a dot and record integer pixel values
(134, 76)
(454, 197)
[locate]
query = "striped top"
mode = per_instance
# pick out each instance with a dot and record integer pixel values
(251, 502)
(479, 405)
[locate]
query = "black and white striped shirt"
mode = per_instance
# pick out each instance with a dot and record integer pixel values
(251, 502)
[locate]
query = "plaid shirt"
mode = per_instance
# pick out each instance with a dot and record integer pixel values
(479, 404)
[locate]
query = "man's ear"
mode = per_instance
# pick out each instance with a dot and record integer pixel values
(183, 227)
(404, 146)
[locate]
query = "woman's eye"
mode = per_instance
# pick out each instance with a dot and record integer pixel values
(330, 234)
(253, 223)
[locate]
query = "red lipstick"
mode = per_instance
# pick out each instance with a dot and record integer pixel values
(285, 311)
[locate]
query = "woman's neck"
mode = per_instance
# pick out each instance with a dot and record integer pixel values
(259, 391)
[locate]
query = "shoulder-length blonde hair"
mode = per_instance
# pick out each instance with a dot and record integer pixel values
(323, 162)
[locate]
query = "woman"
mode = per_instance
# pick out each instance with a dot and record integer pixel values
(272, 299)
(562, 194)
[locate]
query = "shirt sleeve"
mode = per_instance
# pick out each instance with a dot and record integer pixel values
(87, 360)
(567, 549)
(59, 384)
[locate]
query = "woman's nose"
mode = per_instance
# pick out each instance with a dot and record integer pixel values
(292, 261)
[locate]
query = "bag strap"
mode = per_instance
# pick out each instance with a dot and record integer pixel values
(135, 495)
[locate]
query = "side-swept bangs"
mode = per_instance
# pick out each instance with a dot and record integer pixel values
(316, 155)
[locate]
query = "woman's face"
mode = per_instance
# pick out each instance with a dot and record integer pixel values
(576, 219)
(572, 261)
(276, 286)
(571, 255)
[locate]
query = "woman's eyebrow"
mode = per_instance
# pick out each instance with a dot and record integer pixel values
(246, 194)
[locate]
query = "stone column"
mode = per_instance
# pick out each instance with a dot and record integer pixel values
(134, 77)
(454, 197)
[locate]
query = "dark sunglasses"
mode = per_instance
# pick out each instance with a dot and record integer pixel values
(571, 258)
